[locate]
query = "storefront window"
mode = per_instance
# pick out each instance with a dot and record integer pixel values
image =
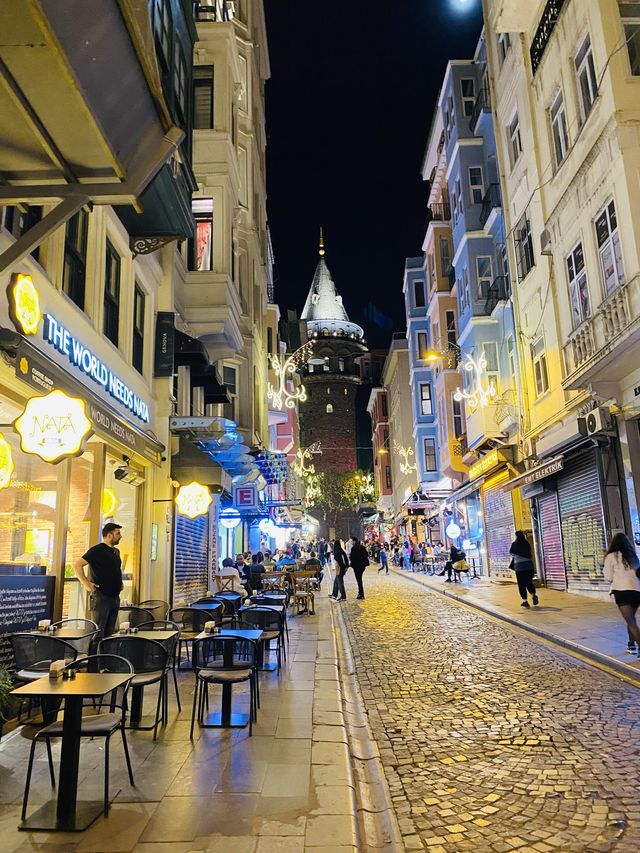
(78, 531)
(27, 508)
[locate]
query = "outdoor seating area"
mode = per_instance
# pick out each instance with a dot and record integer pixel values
(226, 654)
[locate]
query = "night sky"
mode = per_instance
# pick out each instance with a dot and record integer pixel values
(349, 105)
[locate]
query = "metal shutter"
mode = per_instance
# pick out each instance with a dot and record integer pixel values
(581, 519)
(190, 577)
(555, 575)
(499, 526)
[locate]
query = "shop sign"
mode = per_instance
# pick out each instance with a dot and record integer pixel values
(193, 500)
(90, 365)
(245, 497)
(38, 371)
(163, 361)
(485, 464)
(6, 462)
(109, 503)
(54, 427)
(24, 304)
(540, 472)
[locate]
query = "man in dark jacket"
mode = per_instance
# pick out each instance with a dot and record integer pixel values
(359, 561)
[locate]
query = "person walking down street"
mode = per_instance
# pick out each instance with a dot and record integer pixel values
(104, 583)
(620, 567)
(359, 561)
(522, 564)
(384, 561)
(342, 564)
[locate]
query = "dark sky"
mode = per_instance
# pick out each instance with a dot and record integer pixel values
(349, 106)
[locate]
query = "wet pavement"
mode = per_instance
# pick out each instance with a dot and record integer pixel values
(492, 740)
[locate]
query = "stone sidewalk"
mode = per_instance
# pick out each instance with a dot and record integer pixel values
(587, 626)
(290, 788)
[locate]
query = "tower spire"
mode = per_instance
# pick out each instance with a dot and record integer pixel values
(321, 251)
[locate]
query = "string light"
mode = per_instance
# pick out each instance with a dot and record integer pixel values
(479, 394)
(281, 397)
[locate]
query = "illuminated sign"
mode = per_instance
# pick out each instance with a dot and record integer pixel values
(230, 518)
(24, 304)
(53, 427)
(245, 497)
(453, 530)
(85, 361)
(109, 503)
(265, 526)
(193, 500)
(486, 463)
(6, 462)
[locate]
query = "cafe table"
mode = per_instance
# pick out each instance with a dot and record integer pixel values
(225, 718)
(137, 691)
(74, 636)
(66, 814)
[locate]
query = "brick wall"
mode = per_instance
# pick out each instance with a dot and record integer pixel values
(335, 430)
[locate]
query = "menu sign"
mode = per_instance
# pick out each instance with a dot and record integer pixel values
(24, 601)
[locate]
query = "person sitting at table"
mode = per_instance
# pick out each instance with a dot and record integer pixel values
(313, 564)
(286, 562)
(254, 571)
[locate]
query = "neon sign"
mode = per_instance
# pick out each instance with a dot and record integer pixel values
(24, 304)
(84, 360)
(193, 500)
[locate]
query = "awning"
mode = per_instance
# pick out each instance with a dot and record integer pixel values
(467, 489)
(207, 378)
(189, 351)
(546, 469)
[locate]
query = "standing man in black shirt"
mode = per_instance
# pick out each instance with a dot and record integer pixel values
(105, 583)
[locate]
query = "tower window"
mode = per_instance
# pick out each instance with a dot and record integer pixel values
(329, 409)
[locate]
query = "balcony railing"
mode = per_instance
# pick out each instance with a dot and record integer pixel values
(498, 291)
(482, 105)
(215, 11)
(545, 28)
(491, 201)
(439, 212)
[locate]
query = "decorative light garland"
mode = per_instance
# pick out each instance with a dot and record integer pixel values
(480, 394)
(280, 397)
(406, 467)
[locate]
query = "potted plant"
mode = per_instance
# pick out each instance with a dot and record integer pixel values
(6, 685)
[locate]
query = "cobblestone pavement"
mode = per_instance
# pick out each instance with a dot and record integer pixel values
(492, 741)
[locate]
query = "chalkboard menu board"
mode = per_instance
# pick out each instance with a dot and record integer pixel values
(23, 602)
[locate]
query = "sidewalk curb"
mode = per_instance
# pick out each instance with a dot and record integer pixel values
(598, 659)
(378, 824)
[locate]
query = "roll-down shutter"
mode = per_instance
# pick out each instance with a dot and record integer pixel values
(581, 520)
(190, 565)
(499, 526)
(555, 575)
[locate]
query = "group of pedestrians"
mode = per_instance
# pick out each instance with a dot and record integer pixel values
(354, 554)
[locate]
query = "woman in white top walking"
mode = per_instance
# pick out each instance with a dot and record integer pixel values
(620, 565)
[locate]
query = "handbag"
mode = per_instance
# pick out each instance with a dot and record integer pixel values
(461, 566)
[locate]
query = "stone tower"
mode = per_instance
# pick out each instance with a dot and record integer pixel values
(331, 375)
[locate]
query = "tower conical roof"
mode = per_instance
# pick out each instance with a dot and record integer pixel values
(323, 301)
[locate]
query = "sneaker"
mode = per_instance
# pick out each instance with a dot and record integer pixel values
(631, 649)
(524, 604)
(535, 599)
(448, 580)
(359, 597)
(332, 597)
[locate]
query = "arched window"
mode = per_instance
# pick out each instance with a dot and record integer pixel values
(329, 409)
(341, 365)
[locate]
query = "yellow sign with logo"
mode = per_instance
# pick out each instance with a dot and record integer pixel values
(6, 462)
(53, 427)
(193, 500)
(24, 304)
(485, 464)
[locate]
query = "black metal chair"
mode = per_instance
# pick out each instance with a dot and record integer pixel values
(270, 599)
(232, 603)
(191, 621)
(271, 623)
(150, 661)
(33, 654)
(102, 724)
(84, 643)
(226, 661)
(157, 606)
(167, 625)
(134, 616)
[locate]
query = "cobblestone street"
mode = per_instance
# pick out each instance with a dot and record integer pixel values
(492, 741)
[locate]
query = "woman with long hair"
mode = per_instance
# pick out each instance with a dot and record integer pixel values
(522, 565)
(620, 566)
(341, 564)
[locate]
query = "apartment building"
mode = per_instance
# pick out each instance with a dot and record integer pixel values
(568, 80)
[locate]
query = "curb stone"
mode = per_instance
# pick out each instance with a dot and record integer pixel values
(597, 659)
(379, 829)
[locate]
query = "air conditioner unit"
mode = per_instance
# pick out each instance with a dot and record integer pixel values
(595, 421)
(546, 245)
